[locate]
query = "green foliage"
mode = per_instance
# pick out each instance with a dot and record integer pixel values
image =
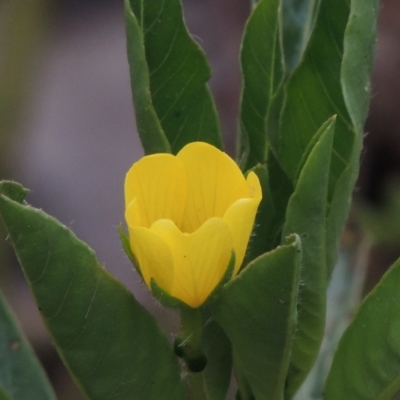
(330, 77)
(305, 74)
(109, 342)
(257, 312)
(169, 73)
(149, 127)
(359, 41)
(297, 24)
(306, 216)
(264, 231)
(262, 71)
(367, 362)
(3, 394)
(281, 188)
(217, 348)
(312, 95)
(21, 376)
(358, 54)
(321, 80)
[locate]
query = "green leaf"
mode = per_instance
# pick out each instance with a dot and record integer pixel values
(244, 393)
(281, 189)
(124, 238)
(367, 362)
(21, 375)
(13, 190)
(149, 127)
(317, 136)
(217, 348)
(262, 71)
(358, 55)
(263, 232)
(169, 74)
(305, 216)
(269, 220)
(339, 208)
(109, 342)
(257, 312)
(3, 394)
(357, 62)
(314, 94)
(298, 22)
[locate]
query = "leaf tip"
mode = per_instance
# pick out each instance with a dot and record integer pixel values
(13, 190)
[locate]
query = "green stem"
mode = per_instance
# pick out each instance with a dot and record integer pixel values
(196, 382)
(190, 338)
(191, 328)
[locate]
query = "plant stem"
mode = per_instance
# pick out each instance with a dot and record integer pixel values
(191, 328)
(191, 337)
(196, 382)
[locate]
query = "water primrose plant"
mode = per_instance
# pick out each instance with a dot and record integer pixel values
(252, 310)
(188, 216)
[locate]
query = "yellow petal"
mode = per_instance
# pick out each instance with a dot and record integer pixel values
(200, 258)
(240, 218)
(254, 187)
(159, 184)
(214, 183)
(132, 214)
(154, 257)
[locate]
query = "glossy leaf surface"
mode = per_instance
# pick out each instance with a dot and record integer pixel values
(21, 375)
(366, 365)
(257, 312)
(111, 345)
(169, 74)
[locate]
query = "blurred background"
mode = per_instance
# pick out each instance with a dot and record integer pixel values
(67, 132)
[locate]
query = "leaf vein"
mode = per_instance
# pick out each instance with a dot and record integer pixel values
(328, 96)
(49, 318)
(163, 61)
(170, 76)
(33, 281)
(178, 97)
(145, 32)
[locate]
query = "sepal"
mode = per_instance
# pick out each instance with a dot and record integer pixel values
(127, 248)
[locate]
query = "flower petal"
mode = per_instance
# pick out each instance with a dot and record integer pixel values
(132, 214)
(253, 185)
(240, 218)
(200, 258)
(214, 183)
(159, 183)
(154, 257)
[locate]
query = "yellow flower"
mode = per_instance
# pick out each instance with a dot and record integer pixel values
(185, 215)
